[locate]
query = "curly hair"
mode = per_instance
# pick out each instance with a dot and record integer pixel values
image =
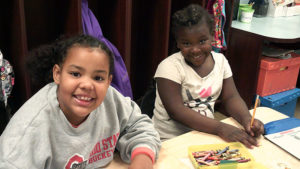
(192, 15)
(41, 60)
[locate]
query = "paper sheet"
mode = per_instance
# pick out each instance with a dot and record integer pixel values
(288, 140)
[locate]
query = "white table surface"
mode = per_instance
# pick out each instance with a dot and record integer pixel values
(273, 27)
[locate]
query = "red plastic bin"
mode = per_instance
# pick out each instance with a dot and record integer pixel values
(277, 75)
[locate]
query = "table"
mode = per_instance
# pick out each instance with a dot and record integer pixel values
(246, 43)
(283, 28)
(173, 151)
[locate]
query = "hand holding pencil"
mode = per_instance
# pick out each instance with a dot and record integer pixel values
(256, 126)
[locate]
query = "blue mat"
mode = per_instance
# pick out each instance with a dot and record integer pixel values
(281, 125)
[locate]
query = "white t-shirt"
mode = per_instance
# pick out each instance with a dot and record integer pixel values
(198, 93)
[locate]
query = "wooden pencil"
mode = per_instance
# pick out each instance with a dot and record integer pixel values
(253, 114)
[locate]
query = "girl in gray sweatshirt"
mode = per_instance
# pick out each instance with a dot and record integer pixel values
(79, 120)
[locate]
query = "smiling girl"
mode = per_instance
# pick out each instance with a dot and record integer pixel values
(190, 81)
(79, 120)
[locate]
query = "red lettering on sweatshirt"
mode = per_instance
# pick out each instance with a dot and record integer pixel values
(104, 144)
(116, 138)
(109, 140)
(103, 148)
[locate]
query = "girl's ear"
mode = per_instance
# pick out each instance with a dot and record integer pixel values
(110, 79)
(56, 73)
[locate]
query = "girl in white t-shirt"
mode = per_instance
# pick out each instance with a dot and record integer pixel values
(189, 83)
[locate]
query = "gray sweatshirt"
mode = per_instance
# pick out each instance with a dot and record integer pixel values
(40, 136)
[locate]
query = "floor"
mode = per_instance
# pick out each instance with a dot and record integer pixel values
(220, 116)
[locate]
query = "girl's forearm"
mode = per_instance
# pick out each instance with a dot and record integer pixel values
(195, 120)
(237, 109)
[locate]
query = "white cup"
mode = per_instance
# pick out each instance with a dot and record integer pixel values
(246, 15)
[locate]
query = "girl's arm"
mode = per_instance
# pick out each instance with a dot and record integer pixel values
(170, 94)
(141, 161)
(237, 108)
(233, 103)
(137, 133)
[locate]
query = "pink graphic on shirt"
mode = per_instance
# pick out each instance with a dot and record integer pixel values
(205, 92)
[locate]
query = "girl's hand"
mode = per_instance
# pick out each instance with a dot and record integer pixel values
(141, 161)
(257, 128)
(233, 134)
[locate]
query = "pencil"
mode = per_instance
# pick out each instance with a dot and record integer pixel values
(253, 114)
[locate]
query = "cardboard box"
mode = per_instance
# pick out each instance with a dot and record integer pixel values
(293, 10)
(277, 75)
(284, 102)
(282, 9)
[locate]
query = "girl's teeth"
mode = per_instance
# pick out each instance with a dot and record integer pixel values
(85, 98)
